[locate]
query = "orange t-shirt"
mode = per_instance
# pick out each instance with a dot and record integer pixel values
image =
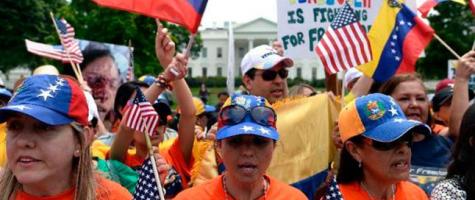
(105, 190)
(174, 157)
(404, 191)
(213, 189)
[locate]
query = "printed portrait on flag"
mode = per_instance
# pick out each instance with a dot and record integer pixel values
(104, 68)
(121, 54)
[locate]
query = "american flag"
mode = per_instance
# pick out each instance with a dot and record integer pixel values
(344, 44)
(46, 50)
(333, 191)
(71, 46)
(146, 187)
(141, 115)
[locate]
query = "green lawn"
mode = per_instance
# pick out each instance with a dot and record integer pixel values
(212, 97)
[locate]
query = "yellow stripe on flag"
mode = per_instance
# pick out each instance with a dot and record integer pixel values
(378, 36)
(305, 147)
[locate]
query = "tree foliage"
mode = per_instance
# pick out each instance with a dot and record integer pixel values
(29, 19)
(25, 19)
(455, 25)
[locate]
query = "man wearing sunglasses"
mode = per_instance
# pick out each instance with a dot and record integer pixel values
(265, 73)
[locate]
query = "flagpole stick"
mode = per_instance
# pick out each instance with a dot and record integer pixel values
(154, 166)
(75, 68)
(447, 46)
(189, 45)
(343, 91)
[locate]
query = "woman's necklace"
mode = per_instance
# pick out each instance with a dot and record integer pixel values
(226, 193)
(371, 196)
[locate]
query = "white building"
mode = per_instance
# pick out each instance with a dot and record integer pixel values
(213, 57)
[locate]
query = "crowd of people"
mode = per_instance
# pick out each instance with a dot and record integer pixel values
(63, 138)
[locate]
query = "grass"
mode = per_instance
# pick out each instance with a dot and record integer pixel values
(212, 96)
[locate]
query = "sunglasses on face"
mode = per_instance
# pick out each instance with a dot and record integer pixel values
(237, 141)
(94, 80)
(234, 114)
(386, 146)
(269, 75)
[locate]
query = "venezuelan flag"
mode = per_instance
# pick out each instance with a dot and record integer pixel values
(429, 4)
(187, 13)
(397, 38)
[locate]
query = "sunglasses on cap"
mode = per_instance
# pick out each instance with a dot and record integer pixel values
(269, 75)
(234, 114)
(386, 146)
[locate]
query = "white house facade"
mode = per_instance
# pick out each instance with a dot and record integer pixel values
(213, 57)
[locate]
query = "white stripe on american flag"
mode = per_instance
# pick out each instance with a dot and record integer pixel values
(349, 30)
(364, 41)
(49, 51)
(350, 50)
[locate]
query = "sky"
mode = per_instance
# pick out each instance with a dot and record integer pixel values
(239, 11)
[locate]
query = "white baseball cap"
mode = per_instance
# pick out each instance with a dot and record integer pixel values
(263, 57)
(350, 75)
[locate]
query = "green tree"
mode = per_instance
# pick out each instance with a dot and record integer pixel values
(101, 24)
(454, 24)
(25, 19)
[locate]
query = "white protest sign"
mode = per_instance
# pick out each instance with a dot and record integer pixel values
(302, 23)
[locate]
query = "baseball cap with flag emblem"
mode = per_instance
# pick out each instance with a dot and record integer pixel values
(378, 117)
(51, 99)
(247, 115)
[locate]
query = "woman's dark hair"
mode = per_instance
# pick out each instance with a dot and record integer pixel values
(124, 92)
(349, 171)
(463, 164)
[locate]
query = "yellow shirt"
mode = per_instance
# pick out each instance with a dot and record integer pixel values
(3, 144)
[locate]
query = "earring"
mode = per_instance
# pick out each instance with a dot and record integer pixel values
(359, 164)
(77, 153)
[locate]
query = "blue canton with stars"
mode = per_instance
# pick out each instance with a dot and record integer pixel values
(333, 191)
(345, 16)
(393, 54)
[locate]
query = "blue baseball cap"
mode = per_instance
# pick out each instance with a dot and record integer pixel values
(4, 92)
(247, 126)
(51, 99)
(378, 117)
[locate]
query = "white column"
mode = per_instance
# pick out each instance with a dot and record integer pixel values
(251, 44)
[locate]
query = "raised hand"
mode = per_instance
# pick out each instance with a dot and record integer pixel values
(466, 66)
(177, 69)
(164, 46)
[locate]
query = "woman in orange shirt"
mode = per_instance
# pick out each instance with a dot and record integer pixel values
(246, 140)
(376, 155)
(48, 137)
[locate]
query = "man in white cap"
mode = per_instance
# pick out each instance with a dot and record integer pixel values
(265, 73)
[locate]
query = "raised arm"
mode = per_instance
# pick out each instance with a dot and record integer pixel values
(186, 124)
(460, 101)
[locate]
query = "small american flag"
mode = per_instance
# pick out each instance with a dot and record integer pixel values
(141, 115)
(49, 51)
(333, 191)
(146, 187)
(344, 44)
(71, 46)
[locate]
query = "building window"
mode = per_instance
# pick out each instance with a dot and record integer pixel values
(204, 72)
(241, 52)
(299, 72)
(314, 73)
(220, 72)
(204, 52)
(219, 52)
(190, 72)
